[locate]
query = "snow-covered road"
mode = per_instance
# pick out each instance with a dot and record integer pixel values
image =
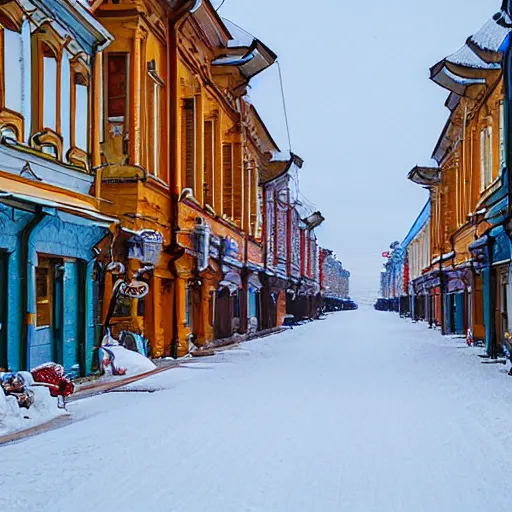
(359, 412)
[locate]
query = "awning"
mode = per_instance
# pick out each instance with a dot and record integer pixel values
(14, 191)
(254, 284)
(232, 281)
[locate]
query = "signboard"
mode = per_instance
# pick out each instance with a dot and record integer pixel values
(145, 246)
(134, 289)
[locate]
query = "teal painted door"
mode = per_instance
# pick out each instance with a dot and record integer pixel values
(448, 313)
(459, 313)
(3, 310)
(58, 313)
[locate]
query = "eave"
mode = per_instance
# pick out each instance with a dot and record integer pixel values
(459, 85)
(73, 15)
(314, 220)
(278, 168)
(425, 176)
(250, 61)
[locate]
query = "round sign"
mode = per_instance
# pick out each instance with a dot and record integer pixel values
(135, 289)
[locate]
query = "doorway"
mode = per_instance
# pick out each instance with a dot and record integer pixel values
(4, 258)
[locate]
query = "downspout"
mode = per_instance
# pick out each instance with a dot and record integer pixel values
(26, 317)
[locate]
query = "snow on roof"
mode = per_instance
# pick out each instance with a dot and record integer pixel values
(468, 58)
(239, 36)
(281, 156)
(492, 35)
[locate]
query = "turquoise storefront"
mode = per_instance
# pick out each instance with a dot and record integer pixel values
(47, 256)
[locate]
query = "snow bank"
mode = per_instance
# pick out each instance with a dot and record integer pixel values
(133, 362)
(14, 418)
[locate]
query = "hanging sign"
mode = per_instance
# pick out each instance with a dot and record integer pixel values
(134, 289)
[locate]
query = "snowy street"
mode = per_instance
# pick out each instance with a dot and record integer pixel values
(362, 411)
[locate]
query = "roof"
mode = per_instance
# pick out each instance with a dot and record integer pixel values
(277, 168)
(240, 37)
(314, 220)
(492, 35)
(77, 18)
(426, 176)
(245, 52)
(263, 126)
(480, 55)
(418, 225)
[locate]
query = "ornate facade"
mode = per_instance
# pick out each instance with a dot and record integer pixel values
(50, 224)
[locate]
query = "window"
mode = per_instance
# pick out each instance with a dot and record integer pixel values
(253, 304)
(485, 157)
(188, 305)
(189, 135)
(9, 132)
(502, 135)
(227, 171)
(43, 294)
(238, 184)
(50, 92)
(13, 70)
(117, 84)
(50, 150)
(81, 94)
(154, 86)
(209, 162)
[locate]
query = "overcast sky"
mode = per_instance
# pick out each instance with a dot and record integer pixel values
(361, 107)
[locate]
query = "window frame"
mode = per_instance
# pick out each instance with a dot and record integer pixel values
(45, 39)
(48, 299)
(155, 87)
(13, 22)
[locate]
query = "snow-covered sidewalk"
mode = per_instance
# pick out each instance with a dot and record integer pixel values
(363, 411)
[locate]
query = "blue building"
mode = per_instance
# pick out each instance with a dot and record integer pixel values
(51, 229)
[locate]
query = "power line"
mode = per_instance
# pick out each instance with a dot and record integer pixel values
(221, 4)
(284, 106)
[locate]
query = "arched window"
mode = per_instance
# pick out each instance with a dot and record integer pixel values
(50, 87)
(486, 157)
(81, 111)
(14, 65)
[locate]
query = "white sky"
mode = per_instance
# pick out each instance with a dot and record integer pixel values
(362, 109)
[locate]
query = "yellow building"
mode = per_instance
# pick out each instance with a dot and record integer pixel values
(50, 224)
(467, 188)
(138, 170)
(222, 147)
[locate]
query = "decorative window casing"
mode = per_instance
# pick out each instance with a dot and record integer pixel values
(486, 157)
(189, 143)
(209, 162)
(227, 172)
(44, 295)
(154, 90)
(14, 66)
(502, 134)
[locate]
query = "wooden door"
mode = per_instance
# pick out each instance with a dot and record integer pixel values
(223, 314)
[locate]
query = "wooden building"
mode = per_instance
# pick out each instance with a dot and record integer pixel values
(50, 225)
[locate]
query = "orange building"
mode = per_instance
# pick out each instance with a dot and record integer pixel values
(470, 251)
(137, 73)
(221, 149)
